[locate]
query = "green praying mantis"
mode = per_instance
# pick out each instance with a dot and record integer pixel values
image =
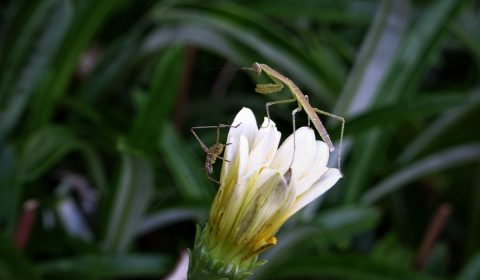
(213, 153)
(302, 100)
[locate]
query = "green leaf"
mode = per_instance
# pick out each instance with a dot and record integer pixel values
(133, 192)
(433, 163)
(441, 126)
(184, 166)
(170, 216)
(131, 265)
(154, 111)
(52, 19)
(400, 83)
(375, 58)
(44, 148)
(347, 266)
(407, 110)
(471, 270)
(10, 190)
(13, 264)
(88, 17)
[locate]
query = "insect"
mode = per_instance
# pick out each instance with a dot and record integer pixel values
(214, 152)
(302, 100)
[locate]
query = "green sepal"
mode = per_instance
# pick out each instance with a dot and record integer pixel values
(204, 265)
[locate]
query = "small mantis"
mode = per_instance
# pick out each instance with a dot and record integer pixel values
(214, 151)
(302, 100)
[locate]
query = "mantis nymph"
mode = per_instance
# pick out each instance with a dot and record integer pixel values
(214, 151)
(302, 100)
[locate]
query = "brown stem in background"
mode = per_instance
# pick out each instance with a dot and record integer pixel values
(436, 226)
(182, 99)
(24, 226)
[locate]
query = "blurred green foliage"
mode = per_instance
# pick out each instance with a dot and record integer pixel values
(100, 177)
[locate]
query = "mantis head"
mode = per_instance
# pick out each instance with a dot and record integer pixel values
(255, 67)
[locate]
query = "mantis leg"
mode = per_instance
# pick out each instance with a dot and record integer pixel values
(293, 119)
(341, 119)
(275, 103)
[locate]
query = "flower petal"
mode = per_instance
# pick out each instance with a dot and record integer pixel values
(270, 193)
(317, 169)
(299, 147)
(323, 184)
(244, 124)
(264, 147)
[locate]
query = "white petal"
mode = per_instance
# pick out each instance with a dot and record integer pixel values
(304, 153)
(264, 147)
(244, 124)
(269, 196)
(317, 169)
(323, 184)
(235, 162)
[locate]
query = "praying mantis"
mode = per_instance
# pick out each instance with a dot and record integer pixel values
(302, 100)
(214, 151)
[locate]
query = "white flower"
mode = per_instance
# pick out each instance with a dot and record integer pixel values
(262, 185)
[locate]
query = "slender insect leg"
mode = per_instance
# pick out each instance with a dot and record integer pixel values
(204, 147)
(275, 103)
(308, 119)
(341, 131)
(294, 129)
(208, 176)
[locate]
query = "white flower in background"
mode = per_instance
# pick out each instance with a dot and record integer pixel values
(261, 186)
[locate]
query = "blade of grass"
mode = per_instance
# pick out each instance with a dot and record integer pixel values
(42, 55)
(471, 270)
(166, 81)
(375, 58)
(10, 192)
(182, 164)
(439, 127)
(401, 82)
(131, 265)
(170, 216)
(433, 163)
(133, 192)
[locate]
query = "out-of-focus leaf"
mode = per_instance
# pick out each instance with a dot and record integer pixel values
(439, 127)
(44, 148)
(325, 11)
(400, 83)
(114, 63)
(471, 271)
(53, 23)
(435, 162)
(344, 266)
(88, 17)
(13, 264)
(169, 216)
(166, 82)
(391, 114)
(9, 190)
(182, 163)
(390, 250)
(131, 265)
(133, 192)
(375, 58)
